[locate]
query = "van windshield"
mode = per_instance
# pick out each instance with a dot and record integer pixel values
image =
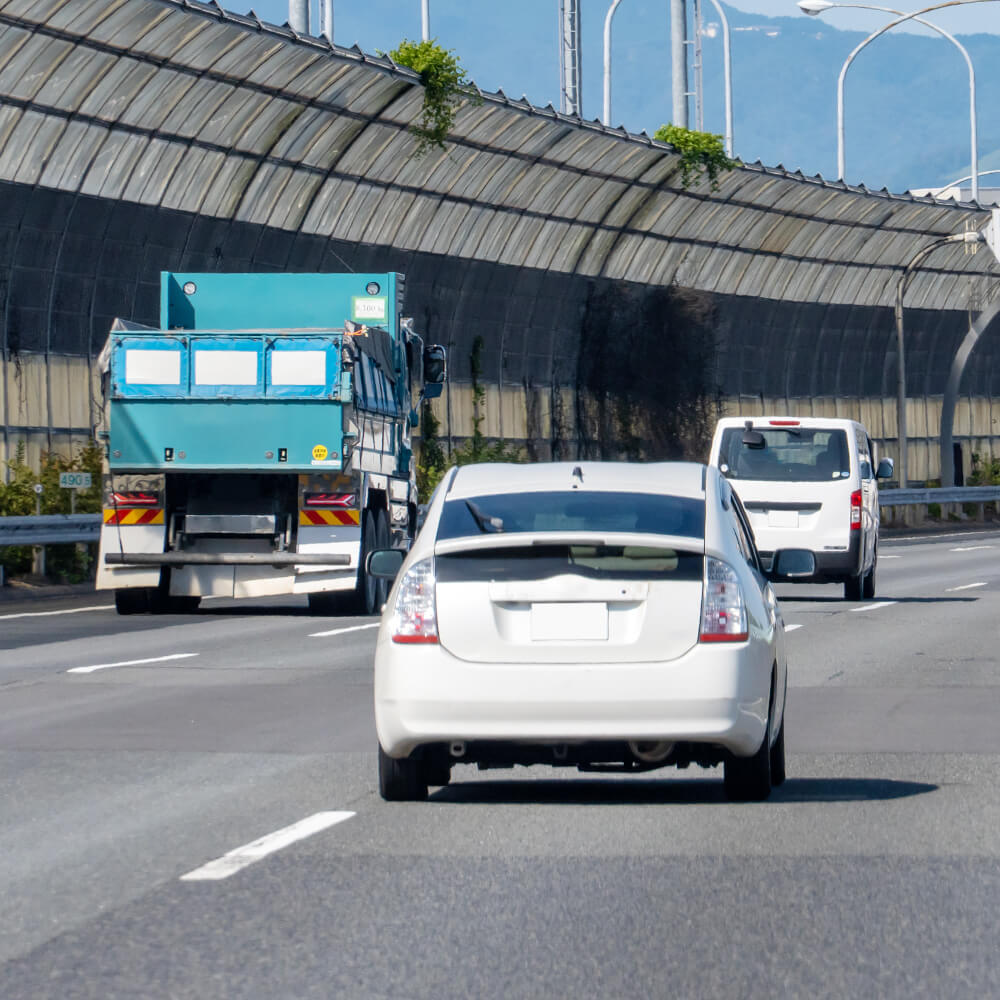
(790, 454)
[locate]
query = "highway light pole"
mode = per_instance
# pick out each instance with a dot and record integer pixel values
(727, 69)
(814, 7)
(425, 20)
(904, 280)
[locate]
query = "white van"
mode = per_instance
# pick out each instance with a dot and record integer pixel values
(808, 483)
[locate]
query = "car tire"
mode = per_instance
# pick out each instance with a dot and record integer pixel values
(854, 587)
(401, 780)
(748, 779)
(778, 757)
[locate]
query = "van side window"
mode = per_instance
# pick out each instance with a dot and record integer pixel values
(864, 453)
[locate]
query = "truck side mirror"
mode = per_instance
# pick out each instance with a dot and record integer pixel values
(435, 364)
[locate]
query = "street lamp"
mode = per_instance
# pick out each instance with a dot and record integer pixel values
(814, 7)
(904, 280)
(727, 69)
(961, 180)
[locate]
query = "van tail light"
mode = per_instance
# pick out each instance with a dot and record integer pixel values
(723, 610)
(414, 615)
(856, 510)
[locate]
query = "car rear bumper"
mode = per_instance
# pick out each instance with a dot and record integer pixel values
(712, 695)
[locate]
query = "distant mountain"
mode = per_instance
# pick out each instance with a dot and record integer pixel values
(906, 99)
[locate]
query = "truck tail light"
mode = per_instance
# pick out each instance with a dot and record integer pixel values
(723, 611)
(134, 500)
(329, 500)
(856, 510)
(414, 615)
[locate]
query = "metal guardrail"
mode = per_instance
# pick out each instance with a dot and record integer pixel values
(50, 529)
(949, 494)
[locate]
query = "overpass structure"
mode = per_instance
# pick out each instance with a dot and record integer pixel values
(146, 135)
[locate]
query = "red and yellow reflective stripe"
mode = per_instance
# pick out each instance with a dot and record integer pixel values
(311, 518)
(126, 516)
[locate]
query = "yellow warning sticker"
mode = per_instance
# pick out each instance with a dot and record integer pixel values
(320, 452)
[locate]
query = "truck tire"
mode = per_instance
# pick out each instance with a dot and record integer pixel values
(363, 599)
(132, 601)
(382, 541)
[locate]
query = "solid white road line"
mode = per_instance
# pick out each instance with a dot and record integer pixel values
(792, 628)
(65, 611)
(231, 862)
(965, 586)
(970, 548)
(877, 604)
(889, 557)
(129, 663)
(342, 631)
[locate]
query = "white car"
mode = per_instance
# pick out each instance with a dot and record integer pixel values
(605, 616)
(811, 483)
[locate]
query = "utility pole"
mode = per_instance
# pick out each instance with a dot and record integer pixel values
(678, 62)
(570, 57)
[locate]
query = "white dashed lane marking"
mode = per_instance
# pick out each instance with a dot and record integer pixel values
(342, 631)
(965, 586)
(877, 604)
(970, 548)
(65, 611)
(129, 663)
(233, 861)
(792, 628)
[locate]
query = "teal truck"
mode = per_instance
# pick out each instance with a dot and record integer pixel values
(258, 441)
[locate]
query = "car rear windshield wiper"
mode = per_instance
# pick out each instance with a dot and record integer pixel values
(488, 524)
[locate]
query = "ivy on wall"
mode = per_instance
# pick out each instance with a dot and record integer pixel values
(701, 152)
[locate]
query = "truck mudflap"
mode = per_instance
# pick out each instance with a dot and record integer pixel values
(276, 559)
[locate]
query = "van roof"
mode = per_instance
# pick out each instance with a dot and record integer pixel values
(790, 421)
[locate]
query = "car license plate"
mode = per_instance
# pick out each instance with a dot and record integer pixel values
(568, 621)
(782, 518)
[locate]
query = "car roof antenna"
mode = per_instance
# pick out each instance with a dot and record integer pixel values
(578, 473)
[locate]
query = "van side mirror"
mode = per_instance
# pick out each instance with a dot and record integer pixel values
(791, 564)
(435, 364)
(751, 438)
(885, 469)
(384, 564)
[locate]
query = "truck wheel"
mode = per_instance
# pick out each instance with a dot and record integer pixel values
(382, 541)
(368, 586)
(133, 601)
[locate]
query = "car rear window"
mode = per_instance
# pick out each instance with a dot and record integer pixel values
(790, 454)
(542, 562)
(573, 511)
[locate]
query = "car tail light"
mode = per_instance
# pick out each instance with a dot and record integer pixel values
(856, 510)
(723, 611)
(414, 616)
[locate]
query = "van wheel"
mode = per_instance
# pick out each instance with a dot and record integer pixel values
(853, 587)
(868, 585)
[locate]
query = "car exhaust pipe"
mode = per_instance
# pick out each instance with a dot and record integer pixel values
(457, 748)
(651, 751)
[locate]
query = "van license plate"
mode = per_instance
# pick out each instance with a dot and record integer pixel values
(782, 518)
(566, 621)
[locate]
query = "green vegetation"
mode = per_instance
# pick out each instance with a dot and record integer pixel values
(445, 86)
(434, 463)
(701, 152)
(70, 563)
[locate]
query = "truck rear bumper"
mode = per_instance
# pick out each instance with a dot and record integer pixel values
(226, 559)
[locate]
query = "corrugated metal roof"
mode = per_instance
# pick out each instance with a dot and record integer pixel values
(182, 105)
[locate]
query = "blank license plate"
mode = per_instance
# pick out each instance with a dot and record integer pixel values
(782, 518)
(564, 622)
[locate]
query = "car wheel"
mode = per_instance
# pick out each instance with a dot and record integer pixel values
(401, 780)
(868, 584)
(748, 779)
(854, 587)
(778, 757)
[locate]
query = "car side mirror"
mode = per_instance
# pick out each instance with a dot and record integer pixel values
(885, 469)
(791, 564)
(384, 564)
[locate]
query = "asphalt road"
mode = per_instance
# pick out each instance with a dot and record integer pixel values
(872, 872)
